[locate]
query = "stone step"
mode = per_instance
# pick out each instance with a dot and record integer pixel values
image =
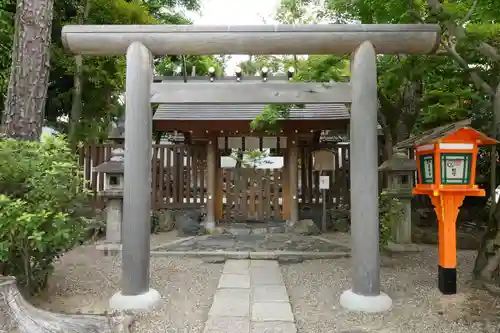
(255, 228)
(251, 298)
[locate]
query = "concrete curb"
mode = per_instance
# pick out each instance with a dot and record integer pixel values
(326, 240)
(271, 255)
(177, 241)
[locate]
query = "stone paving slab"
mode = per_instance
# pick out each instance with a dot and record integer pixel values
(255, 243)
(273, 327)
(234, 302)
(268, 311)
(269, 264)
(269, 294)
(221, 324)
(251, 298)
(238, 281)
(237, 267)
(266, 276)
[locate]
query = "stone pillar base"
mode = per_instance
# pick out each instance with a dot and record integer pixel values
(210, 226)
(409, 247)
(143, 302)
(109, 248)
(360, 303)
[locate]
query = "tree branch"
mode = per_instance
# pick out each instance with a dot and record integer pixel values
(458, 32)
(476, 79)
(469, 14)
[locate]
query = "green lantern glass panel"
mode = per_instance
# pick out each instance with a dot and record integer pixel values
(455, 168)
(427, 168)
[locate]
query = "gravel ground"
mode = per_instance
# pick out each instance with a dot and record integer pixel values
(410, 279)
(84, 280)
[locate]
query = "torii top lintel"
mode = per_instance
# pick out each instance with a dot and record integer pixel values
(247, 39)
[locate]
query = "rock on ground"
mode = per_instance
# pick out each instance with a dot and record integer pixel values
(410, 279)
(304, 227)
(84, 280)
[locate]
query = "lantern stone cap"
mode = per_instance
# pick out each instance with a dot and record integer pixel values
(115, 163)
(455, 132)
(110, 167)
(399, 161)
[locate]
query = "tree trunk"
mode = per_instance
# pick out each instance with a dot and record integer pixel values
(17, 315)
(76, 106)
(487, 265)
(29, 77)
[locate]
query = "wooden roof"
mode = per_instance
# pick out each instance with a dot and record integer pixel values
(246, 112)
(432, 134)
(459, 131)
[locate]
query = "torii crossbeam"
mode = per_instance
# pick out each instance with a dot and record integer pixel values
(140, 43)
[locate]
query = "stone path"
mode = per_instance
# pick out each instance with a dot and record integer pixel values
(256, 243)
(251, 298)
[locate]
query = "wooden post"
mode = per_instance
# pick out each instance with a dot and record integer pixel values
(293, 177)
(218, 183)
(285, 186)
(211, 181)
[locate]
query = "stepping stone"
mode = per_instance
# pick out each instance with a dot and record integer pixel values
(227, 325)
(272, 312)
(268, 264)
(273, 327)
(237, 281)
(269, 294)
(266, 276)
(236, 267)
(235, 302)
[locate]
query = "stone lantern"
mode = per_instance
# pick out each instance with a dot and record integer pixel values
(113, 194)
(113, 171)
(400, 173)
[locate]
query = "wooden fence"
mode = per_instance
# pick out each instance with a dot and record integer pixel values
(308, 189)
(179, 178)
(254, 194)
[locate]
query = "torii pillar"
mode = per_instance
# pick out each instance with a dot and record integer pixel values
(365, 294)
(135, 293)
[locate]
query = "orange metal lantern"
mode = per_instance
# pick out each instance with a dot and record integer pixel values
(446, 167)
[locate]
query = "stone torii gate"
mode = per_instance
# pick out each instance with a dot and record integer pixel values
(141, 43)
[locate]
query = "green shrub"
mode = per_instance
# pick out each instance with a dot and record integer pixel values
(391, 211)
(43, 204)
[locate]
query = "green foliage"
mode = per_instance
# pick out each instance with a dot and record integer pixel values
(103, 77)
(167, 66)
(312, 69)
(390, 213)
(268, 119)
(43, 202)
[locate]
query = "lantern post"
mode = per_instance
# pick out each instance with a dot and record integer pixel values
(446, 167)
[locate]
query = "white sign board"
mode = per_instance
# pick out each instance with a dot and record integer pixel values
(324, 182)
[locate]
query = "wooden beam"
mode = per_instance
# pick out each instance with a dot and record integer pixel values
(232, 78)
(243, 126)
(340, 39)
(250, 93)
